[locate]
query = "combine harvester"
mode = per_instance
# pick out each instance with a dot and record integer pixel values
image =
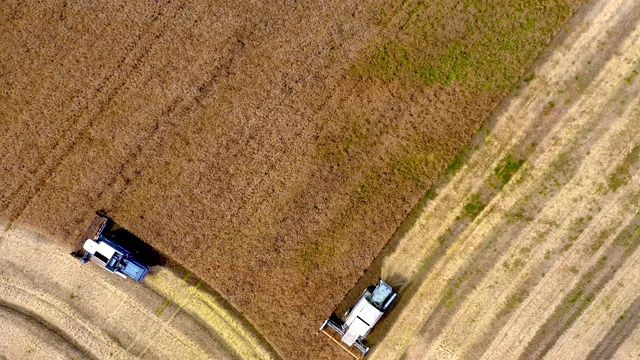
(350, 331)
(102, 249)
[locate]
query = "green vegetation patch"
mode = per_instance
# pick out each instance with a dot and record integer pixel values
(474, 206)
(619, 178)
(415, 164)
(481, 45)
(507, 167)
(367, 188)
(515, 299)
(162, 307)
(458, 161)
(629, 78)
(316, 254)
(621, 175)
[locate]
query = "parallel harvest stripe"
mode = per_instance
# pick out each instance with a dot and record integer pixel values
(519, 279)
(615, 309)
(528, 233)
(621, 331)
(631, 346)
(529, 204)
(580, 297)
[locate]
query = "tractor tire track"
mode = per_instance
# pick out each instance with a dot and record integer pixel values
(611, 258)
(628, 321)
(104, 95)
(107, 316)
(94, 95)
(495, 245)
(506, 237)
(155, 140)
(578, 243)
(57, 341)
(580, 296)
(579, 226)
(605, 312)
(519, 214)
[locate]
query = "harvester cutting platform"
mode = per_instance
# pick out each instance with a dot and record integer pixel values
(101, 247)
(350, 331)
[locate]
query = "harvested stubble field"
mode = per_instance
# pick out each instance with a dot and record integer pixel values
(53, 307)
(530, 250)
(272, 148)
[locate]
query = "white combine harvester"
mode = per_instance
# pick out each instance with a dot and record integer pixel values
(350, 331)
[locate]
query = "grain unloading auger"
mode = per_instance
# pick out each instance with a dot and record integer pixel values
(350, 331)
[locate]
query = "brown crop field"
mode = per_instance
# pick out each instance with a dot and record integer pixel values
(272, 148)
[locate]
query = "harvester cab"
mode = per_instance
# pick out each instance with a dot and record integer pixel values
(350, 331)
(101, 248)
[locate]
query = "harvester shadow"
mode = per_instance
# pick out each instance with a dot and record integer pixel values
(143, 251)
(148, 255)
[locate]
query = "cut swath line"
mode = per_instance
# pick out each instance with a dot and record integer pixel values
(623, 328)
(580, 297)
(192, 291)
